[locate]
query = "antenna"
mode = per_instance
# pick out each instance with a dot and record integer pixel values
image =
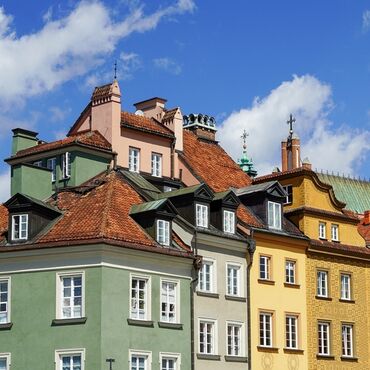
(115, 69)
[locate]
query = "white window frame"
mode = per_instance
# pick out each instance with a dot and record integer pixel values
(240, 325)
(229, 288)
(59, 288)
(335, 232)
(286, 188)
(59, 353)
(51, 164)
(7, 357)
(347, 340)
(345, 287)
(290, 267)
(177, 301)
(201, 215)
(322, 289)
(25, 237)
(322, 230)
(7, 279)
(37, 163)
(214, 336)
(147, 299)
(212, 276)
(267, 319)
(291, 330)
(134, 159)
(165, 239)
(274, 208)
(323, 335)
(267, 264)
(156, 164)
(66, 165)
(170, 355)
(139, 353)
(229, 221)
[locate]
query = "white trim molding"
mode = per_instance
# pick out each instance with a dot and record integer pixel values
(69, 352)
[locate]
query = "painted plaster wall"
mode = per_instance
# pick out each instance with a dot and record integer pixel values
(221, 309)
(280, 300)
(187, 177)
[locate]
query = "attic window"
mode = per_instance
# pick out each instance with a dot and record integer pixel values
(201, 215)
(274, 215)
(163, 232)
(20, 227)
(289, 191)
(229, 222)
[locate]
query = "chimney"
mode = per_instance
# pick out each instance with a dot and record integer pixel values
(202, 125)
(307, 164)
(366, 219)
(152, 108)
(284, 156)
(23, 139)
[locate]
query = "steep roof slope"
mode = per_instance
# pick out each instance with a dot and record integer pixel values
(3, 221)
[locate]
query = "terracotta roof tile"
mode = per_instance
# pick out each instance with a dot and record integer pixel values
(340, 248)
(144, 124)
(364, 230)
(3, 221)
(169, 114)
(247, 217)
(90, 138)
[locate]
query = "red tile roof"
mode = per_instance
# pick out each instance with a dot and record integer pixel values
(91, 138)
(3, 221)
(145, 124)
(326, 246)
(364, 230)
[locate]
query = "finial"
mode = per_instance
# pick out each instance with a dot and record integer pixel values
(115, 70)
(290, 122)
(244, 138)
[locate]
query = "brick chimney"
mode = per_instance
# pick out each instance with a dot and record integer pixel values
(366, 219)
(202, 125)
(291, 149)
(152, 108)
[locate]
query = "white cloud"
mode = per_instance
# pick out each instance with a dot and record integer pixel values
(328, 146)
(67, 47)
(366, 20)
(58, 114)
(168, 65)
(128, 64)
(4, 186)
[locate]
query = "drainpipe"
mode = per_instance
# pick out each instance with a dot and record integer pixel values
(173, 158)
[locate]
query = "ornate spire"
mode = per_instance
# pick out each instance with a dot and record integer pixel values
(245, 163)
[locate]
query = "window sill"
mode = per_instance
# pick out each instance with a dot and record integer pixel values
(6, 326)
(335, 241)
(350, 359)
(346, 300)
(324, 239)
(235, 298)
(294, 351)
(325, 357)
(266, 281)
(203, 356)
(170, 325)
(76, 321)
(146, 323)
(323, 298)
(207, 294)
(268, 349)
(292, 285)
(236, 359)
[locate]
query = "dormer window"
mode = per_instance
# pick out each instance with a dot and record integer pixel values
(134, 160)
(229, 222)
(37, 163)
(201, 215)
(274, 215)
(51, 164)
(156, 164)
(66, 165)
(163, 232)
(20, 227)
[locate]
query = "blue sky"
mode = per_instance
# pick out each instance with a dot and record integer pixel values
(248, 63)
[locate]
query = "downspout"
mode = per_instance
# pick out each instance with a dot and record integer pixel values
(173, 158)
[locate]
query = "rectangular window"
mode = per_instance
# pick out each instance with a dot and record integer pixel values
(66, 165)
(291, 331)
(52, 165)
(156, 165)
(4, 361)
(139, 361)
(4, 301)
(37, 163)
(266, 329)
(345, 286)
(163, 232)
(324, 338)
(207, 337)
(169, 361)
(139, 299)
(206, 277)
(290, 267)
(201, 215)
(274, 215)
(233, 280)
(289, 191)
(168, 301)
(234, 347)
(322, 283)
(71, 296)
(73, 359)
(20, 227)
(322, 230)
(265, 267)
(347, 340)
(134, 160)
(229, 222)
(335, 232)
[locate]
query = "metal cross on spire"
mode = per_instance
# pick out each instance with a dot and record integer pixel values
(290, 122)
(115, 70)
(244, 137)
(110, 360)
